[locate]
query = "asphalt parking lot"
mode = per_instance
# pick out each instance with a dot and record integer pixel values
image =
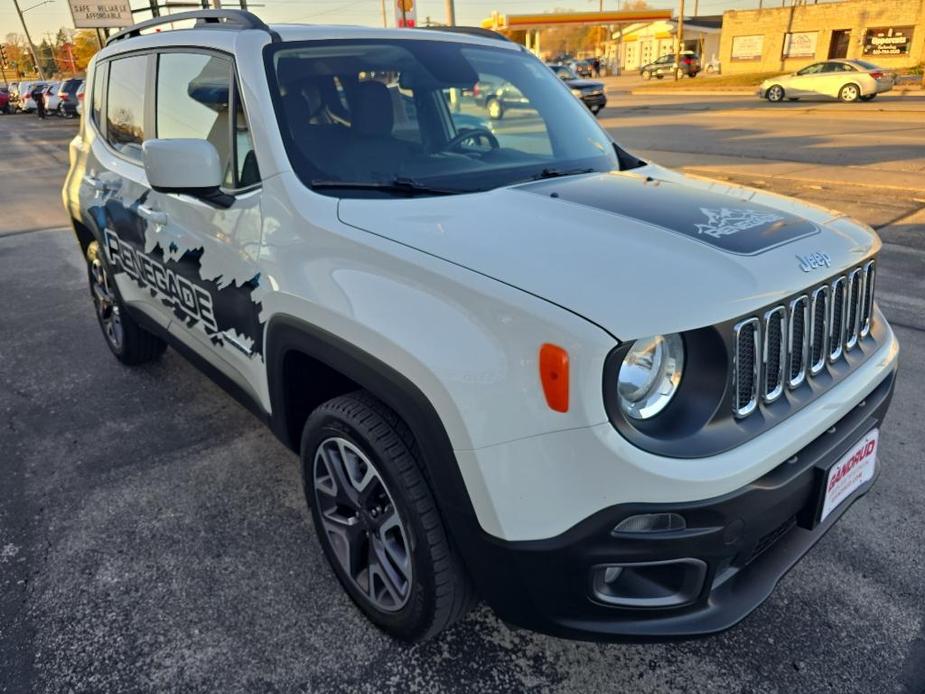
(153, 535)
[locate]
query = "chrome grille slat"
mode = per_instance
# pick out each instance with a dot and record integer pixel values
(818, 330)
(797, 341)
(790, 344)
(745, 367)
(837, 319)
(773, 353)
(855, 306)
(870, 273)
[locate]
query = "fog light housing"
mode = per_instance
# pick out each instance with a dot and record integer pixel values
(670, 583)
(650, 523)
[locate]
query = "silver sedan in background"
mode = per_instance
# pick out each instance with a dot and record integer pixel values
(845, 80)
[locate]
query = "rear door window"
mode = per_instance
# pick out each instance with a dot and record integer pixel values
(125, 105)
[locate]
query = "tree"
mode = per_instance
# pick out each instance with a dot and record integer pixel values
(85, 47)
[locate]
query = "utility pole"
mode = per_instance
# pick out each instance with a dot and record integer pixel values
(451, 13)
(679, 42)
(385, 19)
(696, 7)
(35, 58)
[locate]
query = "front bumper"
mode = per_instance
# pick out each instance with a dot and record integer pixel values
(745, 541)
(593, 101)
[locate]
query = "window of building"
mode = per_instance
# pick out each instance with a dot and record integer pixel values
(125, 105)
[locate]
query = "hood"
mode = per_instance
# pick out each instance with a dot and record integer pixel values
(642, 252)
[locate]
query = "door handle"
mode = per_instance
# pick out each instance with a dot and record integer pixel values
(152, 215)
(95, 183)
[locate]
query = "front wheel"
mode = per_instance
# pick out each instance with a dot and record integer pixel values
(377, 521)
(128, 341)
(775, 93)
(646, 75)
(849, 93)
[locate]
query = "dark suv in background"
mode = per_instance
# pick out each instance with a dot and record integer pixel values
(67, 97)
(689, 64)
(591, 92)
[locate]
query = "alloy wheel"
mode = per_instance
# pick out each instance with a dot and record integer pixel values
(775, 93)
(849, 93)
(107, 307)
(362, 524)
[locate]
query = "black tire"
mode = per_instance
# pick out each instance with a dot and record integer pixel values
(135, 344)
(439, 592)
(658, 75)
(495, 108)
(775, 94)
(868, 97)
(849, 93)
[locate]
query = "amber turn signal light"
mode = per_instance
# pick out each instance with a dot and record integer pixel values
(554, 376)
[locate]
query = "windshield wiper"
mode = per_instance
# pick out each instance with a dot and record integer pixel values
(557, 173)
(399, 184)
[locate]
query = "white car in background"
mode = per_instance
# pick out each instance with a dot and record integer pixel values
(845, 80)
(51, 96)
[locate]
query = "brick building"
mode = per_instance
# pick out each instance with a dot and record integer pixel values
(890, 33)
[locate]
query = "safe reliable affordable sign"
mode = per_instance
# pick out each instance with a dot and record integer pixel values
(90, 14)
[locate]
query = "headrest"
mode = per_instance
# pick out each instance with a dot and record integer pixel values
(371, 114)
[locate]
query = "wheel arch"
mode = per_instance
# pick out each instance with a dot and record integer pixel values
(339, 367)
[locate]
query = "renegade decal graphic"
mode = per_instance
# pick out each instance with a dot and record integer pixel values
(194, 301)
(721, 221)
(224, 306)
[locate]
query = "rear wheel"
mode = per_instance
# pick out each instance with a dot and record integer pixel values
(131, 343)
(495, 109)
(849, 93)
(775, 93)
(377, 520)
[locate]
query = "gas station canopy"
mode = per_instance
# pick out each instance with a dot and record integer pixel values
(550, 19)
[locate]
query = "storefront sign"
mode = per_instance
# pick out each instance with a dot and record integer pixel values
(888, 41)
(747, 47)
(90, 14)
(801, 44)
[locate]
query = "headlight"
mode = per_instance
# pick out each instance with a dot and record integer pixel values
(576, 92)
(650, 374)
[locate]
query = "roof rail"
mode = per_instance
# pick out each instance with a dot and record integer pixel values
(471, 31)
(238, 19)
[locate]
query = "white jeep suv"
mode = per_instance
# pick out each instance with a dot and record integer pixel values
(516, 361)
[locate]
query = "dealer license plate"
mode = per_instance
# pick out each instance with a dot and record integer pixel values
(854, 469)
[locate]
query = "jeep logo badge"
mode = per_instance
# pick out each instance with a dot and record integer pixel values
(814, 261)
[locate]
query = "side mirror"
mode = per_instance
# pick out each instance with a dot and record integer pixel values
(186, 166)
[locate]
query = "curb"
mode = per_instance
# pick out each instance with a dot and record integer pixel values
(696, 92)
(730, 174)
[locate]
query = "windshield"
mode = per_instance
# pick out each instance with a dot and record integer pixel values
(399, 117)
(565, 73)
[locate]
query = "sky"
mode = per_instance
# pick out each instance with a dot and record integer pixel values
(50, 17)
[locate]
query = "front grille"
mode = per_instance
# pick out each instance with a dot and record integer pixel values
(837, 320)
(818, 330)
(797, 342)
(774, 353)
(793, 342)
(746, 366)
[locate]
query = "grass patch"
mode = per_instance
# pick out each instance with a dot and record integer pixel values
(720, 83)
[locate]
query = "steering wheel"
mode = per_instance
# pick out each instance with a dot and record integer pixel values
(470, 134)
